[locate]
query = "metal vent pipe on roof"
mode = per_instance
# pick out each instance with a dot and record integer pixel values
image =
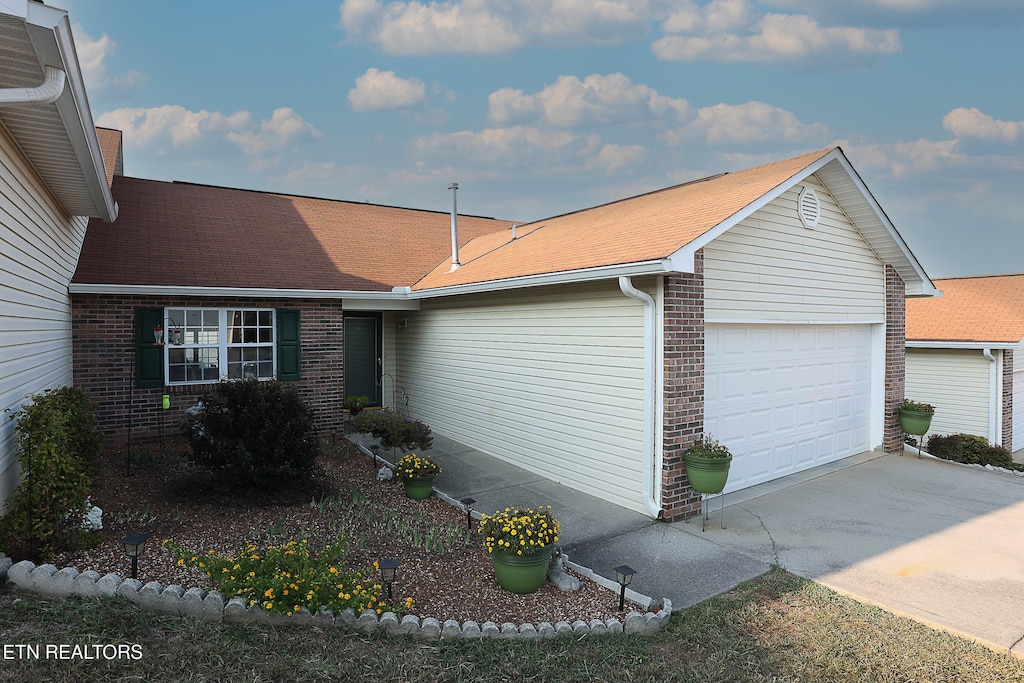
(48, 91)
(454, 187)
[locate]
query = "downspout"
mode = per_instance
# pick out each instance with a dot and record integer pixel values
(650, 387)
(48, 91)
(995, 413)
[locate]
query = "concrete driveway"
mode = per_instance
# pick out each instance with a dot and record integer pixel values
(940, 542)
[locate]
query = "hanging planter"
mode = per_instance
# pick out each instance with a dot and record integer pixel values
(707, 465)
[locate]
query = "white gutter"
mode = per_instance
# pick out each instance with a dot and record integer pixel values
(650, 387)
(561, 277)
(398, 294)
(961, 345)
(48, 91)
(995, 412)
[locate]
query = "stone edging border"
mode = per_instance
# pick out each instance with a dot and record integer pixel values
(46, 579)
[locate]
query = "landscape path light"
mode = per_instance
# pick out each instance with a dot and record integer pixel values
(624, 575)
(468, 502)
(134, 543)
(388, 569)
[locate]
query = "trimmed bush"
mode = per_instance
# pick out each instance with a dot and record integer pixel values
(250, 432)
(394, 430)
(970, 449)
(56, 438)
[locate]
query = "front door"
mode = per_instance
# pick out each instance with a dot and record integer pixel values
(363, 356)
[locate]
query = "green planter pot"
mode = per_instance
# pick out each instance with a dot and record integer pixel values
(419, 488)
(521, 573)
(707, 475)
(915, 422)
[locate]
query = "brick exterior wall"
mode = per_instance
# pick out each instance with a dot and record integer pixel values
(1008, 400)
(683, 419)
(895, 357)
(103, 357)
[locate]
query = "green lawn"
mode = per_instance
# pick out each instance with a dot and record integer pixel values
(776, 628)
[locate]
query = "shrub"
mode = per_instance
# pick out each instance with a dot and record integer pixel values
(970, 449)
(250, 432)
(287, 577)
(394, 430)
(56, 436)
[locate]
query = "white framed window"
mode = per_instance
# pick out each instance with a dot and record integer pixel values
(210, 344)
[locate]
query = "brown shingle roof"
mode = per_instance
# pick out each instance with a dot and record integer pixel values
(202, 236)
(110, 148)
(989, 308)
(645, 228)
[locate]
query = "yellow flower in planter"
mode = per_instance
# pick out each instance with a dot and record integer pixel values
(413, 466)
(520, 528)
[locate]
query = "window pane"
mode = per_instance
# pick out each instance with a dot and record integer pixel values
(266, 335)
(266, 318)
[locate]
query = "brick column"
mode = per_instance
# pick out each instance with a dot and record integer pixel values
(895, 357)
(1008, 401)
(683, 417)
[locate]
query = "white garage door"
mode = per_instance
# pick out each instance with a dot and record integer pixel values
(1018, 408)
(785, 398)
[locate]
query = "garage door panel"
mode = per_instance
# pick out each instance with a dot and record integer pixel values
(1018, 404)
(786, 398)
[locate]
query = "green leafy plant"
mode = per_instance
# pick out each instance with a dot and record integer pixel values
(287, 577)
(413, 466)
(56, 436)
(355, 404)
(706, 446)
(971, 449)
(916, 406)
(519, 530)
(394, 430)
(251, 432)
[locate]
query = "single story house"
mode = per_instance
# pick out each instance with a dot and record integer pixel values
(764, 306)
(52, 179)
(960, 357)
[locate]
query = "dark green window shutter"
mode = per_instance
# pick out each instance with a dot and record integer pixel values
(149, 359)
(287, 345)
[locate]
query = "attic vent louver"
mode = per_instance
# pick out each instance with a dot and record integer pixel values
(809, 208)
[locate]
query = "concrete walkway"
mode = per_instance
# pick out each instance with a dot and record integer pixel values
(933, 540)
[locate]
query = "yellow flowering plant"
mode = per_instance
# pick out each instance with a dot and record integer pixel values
(519, 531)
(285, 578)
(413, 466)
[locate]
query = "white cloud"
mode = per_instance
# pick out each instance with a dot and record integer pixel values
(143, 126)
(697, 33)
(914, 13)
(746, 123)
(491, 26)
(904, 158)
(377, 89)
(92, 54)
(595, 99)
(516, 146)
(973, 123)
(273, 134)
(613, 158)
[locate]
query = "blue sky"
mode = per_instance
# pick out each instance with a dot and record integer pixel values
(539, 107)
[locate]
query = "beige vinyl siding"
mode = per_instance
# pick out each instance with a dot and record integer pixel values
(958, 383)
(771, 268)
(549, 379)
(39, 248)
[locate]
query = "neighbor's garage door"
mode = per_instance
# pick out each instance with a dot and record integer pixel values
(785, 398)
(1018, 408)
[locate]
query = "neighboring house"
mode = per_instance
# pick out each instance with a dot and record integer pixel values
(52, 178)
(960, 357)
(764, 306)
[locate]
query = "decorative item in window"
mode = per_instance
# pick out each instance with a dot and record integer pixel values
(174, 338)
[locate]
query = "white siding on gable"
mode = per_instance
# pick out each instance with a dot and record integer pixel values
(770, 268)
(39, 249)
(958, 383)
(549, 379)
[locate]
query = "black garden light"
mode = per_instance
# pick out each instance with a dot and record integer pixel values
(388, 569)
(133, 545)
(468, 502)
(624, 575)
(374, 450)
